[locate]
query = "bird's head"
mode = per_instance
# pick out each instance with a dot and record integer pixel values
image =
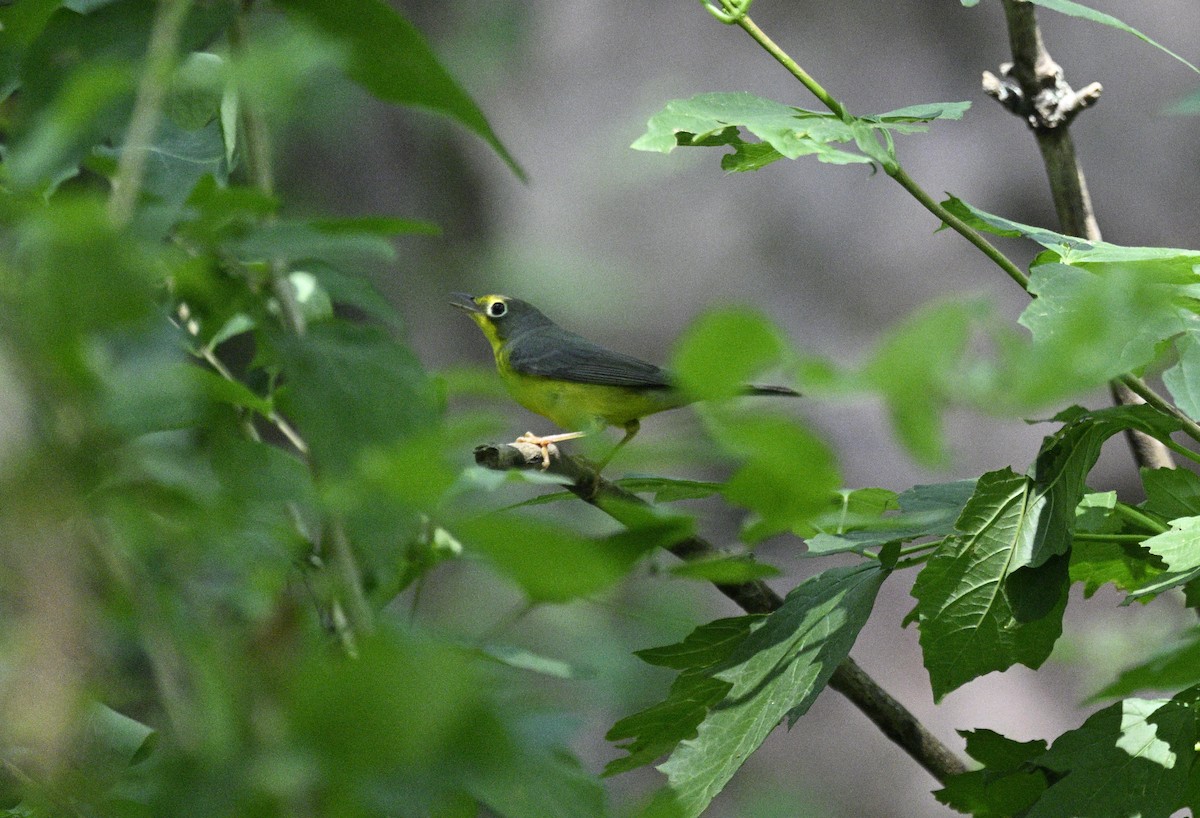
(499, 316)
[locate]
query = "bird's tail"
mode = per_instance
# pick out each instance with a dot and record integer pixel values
(753, 389)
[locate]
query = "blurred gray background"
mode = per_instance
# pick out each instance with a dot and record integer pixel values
(627, 247)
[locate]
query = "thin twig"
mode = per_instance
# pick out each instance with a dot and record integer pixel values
(896, 172)
(1034, 87)
(160, 59)
(891, 717)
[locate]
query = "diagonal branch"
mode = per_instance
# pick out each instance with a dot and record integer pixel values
(1034, 87)
(891, 717)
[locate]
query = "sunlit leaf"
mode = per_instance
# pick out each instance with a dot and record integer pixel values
(776, 672)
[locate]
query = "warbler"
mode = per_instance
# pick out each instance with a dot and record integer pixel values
(577, 384)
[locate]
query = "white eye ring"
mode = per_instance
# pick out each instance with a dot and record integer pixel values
(497, 309)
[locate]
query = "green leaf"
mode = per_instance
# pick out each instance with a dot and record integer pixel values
(917, 368)
(655, 731)
(1006, 786)
(710, 120)
(791, 131)
(1132, 758)
(919, 114)
(969, 620)
(1171, 264)
(56, 140)
(1174, 667)
(1064, 461)
(924, 511)
(786, 475)
(351, 388)
(776, 671)
(564, 789)
(722, 350)
(110, 742)
(727, 570)
(19, 25)
(669, 490)
(1073, 9)
(196, 91)
(1127, 566)
(1171, 493)
(523, 659)
(1179, 548)
(1071, 349)
(1183, 379)
(549, 562)
(387, 55)
(296, 243)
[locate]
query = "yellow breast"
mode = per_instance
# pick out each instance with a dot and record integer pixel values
(585, 406)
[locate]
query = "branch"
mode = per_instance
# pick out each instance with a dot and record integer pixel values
(891, 717)
(1033, 87)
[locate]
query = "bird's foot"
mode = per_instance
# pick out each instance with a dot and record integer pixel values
(544, 442)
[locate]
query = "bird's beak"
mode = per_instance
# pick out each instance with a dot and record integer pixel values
(464, 302)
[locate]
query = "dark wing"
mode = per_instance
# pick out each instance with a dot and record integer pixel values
(552, 352)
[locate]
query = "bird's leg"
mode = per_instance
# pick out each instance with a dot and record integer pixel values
(631, 429)
(543, 442)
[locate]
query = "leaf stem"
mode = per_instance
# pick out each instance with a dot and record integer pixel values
(160, 57)
(959, 226)
(1139, 388)
(909, 550)
(1089, 537)
(793, 68)
(1137, 516)
(893, 170)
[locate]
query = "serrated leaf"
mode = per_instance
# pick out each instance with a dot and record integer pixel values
(993, 595)
(705, 646)
(1132, 758)
(707, 115)
(777, 671)
(1065, 460)
(1171, 493)
(1126, 566)
(655, 731)
(1008, 783)
(714, 119)
(970, 625)
(1173, 264)
(1179, 548)
(923, 113)
(388, 56)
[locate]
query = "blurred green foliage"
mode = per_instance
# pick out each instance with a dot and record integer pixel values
(223, 471)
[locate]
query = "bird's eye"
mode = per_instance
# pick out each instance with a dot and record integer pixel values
(497, 309)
